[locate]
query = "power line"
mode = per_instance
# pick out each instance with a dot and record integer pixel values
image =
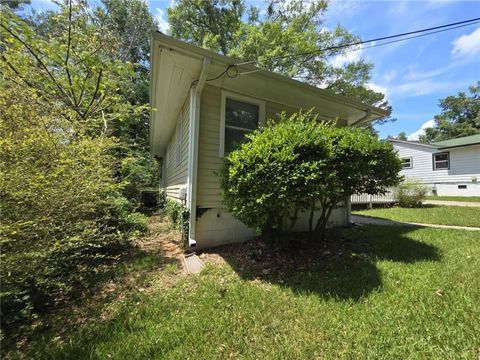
(412, 37)
(430, 30)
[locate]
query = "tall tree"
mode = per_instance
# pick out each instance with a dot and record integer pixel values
(286, 37)
(402, 136)
(460, 116)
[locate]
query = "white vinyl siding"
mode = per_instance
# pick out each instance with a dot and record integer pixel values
(209, 161)
(179, 141)
(176, 156)
(464, 163)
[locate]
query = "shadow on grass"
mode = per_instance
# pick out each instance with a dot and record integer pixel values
(104, 281)
(343, 268)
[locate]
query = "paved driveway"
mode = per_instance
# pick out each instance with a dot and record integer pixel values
(367, 220)
(452, 203)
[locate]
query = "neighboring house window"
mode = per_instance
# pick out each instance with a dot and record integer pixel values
(407, 163)
(240, 115)
(178, 143)
(441, 161)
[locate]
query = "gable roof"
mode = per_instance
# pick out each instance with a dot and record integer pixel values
(462, 141)
(412, 142)
(176, 65)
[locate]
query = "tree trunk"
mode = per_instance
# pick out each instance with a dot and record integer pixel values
(327, 207)
(310, 221)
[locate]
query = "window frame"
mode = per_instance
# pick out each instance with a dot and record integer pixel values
(223, 107)
(434, 162)
(411, 162)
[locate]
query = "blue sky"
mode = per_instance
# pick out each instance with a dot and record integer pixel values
(414, 74)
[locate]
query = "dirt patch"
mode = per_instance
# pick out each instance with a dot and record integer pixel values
(260, 258)
(161, 238)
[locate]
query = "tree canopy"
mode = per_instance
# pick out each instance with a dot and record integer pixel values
(69, 169)
(273, 38)
(460, 116)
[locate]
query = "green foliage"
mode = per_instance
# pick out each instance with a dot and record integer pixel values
(179, 217)
(460, 116)
(64, 217)
(302, 165)
(270, 38)
(411, 193)
(138, 172)
(402, 136)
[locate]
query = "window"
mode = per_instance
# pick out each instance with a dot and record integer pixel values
(178, 143)
(407, 163)
(462, 186)
(441, 161)
(240, 115)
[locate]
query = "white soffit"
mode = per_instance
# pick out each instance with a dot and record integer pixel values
(174, 74)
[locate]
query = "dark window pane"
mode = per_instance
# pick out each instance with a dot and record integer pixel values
(233, 138)
(241, 114)
(441, 164)
(441, 157)
(407, 163)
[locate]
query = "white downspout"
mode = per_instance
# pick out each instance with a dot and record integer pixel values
(195, 98)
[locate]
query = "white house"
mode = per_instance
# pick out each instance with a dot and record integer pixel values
(202, 103)
(450, 167)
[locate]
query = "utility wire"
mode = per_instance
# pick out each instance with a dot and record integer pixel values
(450, 26)
(411, 37)
(420, 33)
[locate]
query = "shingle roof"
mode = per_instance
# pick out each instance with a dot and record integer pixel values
(463, 141)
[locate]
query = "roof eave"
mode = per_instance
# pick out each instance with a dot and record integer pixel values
(375, 113)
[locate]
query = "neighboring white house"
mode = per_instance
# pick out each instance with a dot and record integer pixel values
(450, 167)
(202, 103)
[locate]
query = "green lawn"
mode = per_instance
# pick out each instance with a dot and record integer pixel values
(378, 292)
(429, 214)
(455, 198)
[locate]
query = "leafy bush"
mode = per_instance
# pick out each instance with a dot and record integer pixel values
(139, 172)
(178, 215)
(411, 193)
(300, 165)
(64, 219)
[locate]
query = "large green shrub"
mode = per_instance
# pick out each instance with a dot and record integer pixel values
(411, 193)
(64, 219)
(300, 164)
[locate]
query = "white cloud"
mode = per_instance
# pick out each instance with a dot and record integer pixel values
(425, 87)
(438, 3)
(339, 9)
(467, 45)
(160, 16)
(378, 88)
(416, 134)
(349, 57)
(389, 75)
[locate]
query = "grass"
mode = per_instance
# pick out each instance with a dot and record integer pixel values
(455, 198)
(377, 292)
(444, 215)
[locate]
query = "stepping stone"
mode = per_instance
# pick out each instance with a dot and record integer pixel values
(192, 263)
